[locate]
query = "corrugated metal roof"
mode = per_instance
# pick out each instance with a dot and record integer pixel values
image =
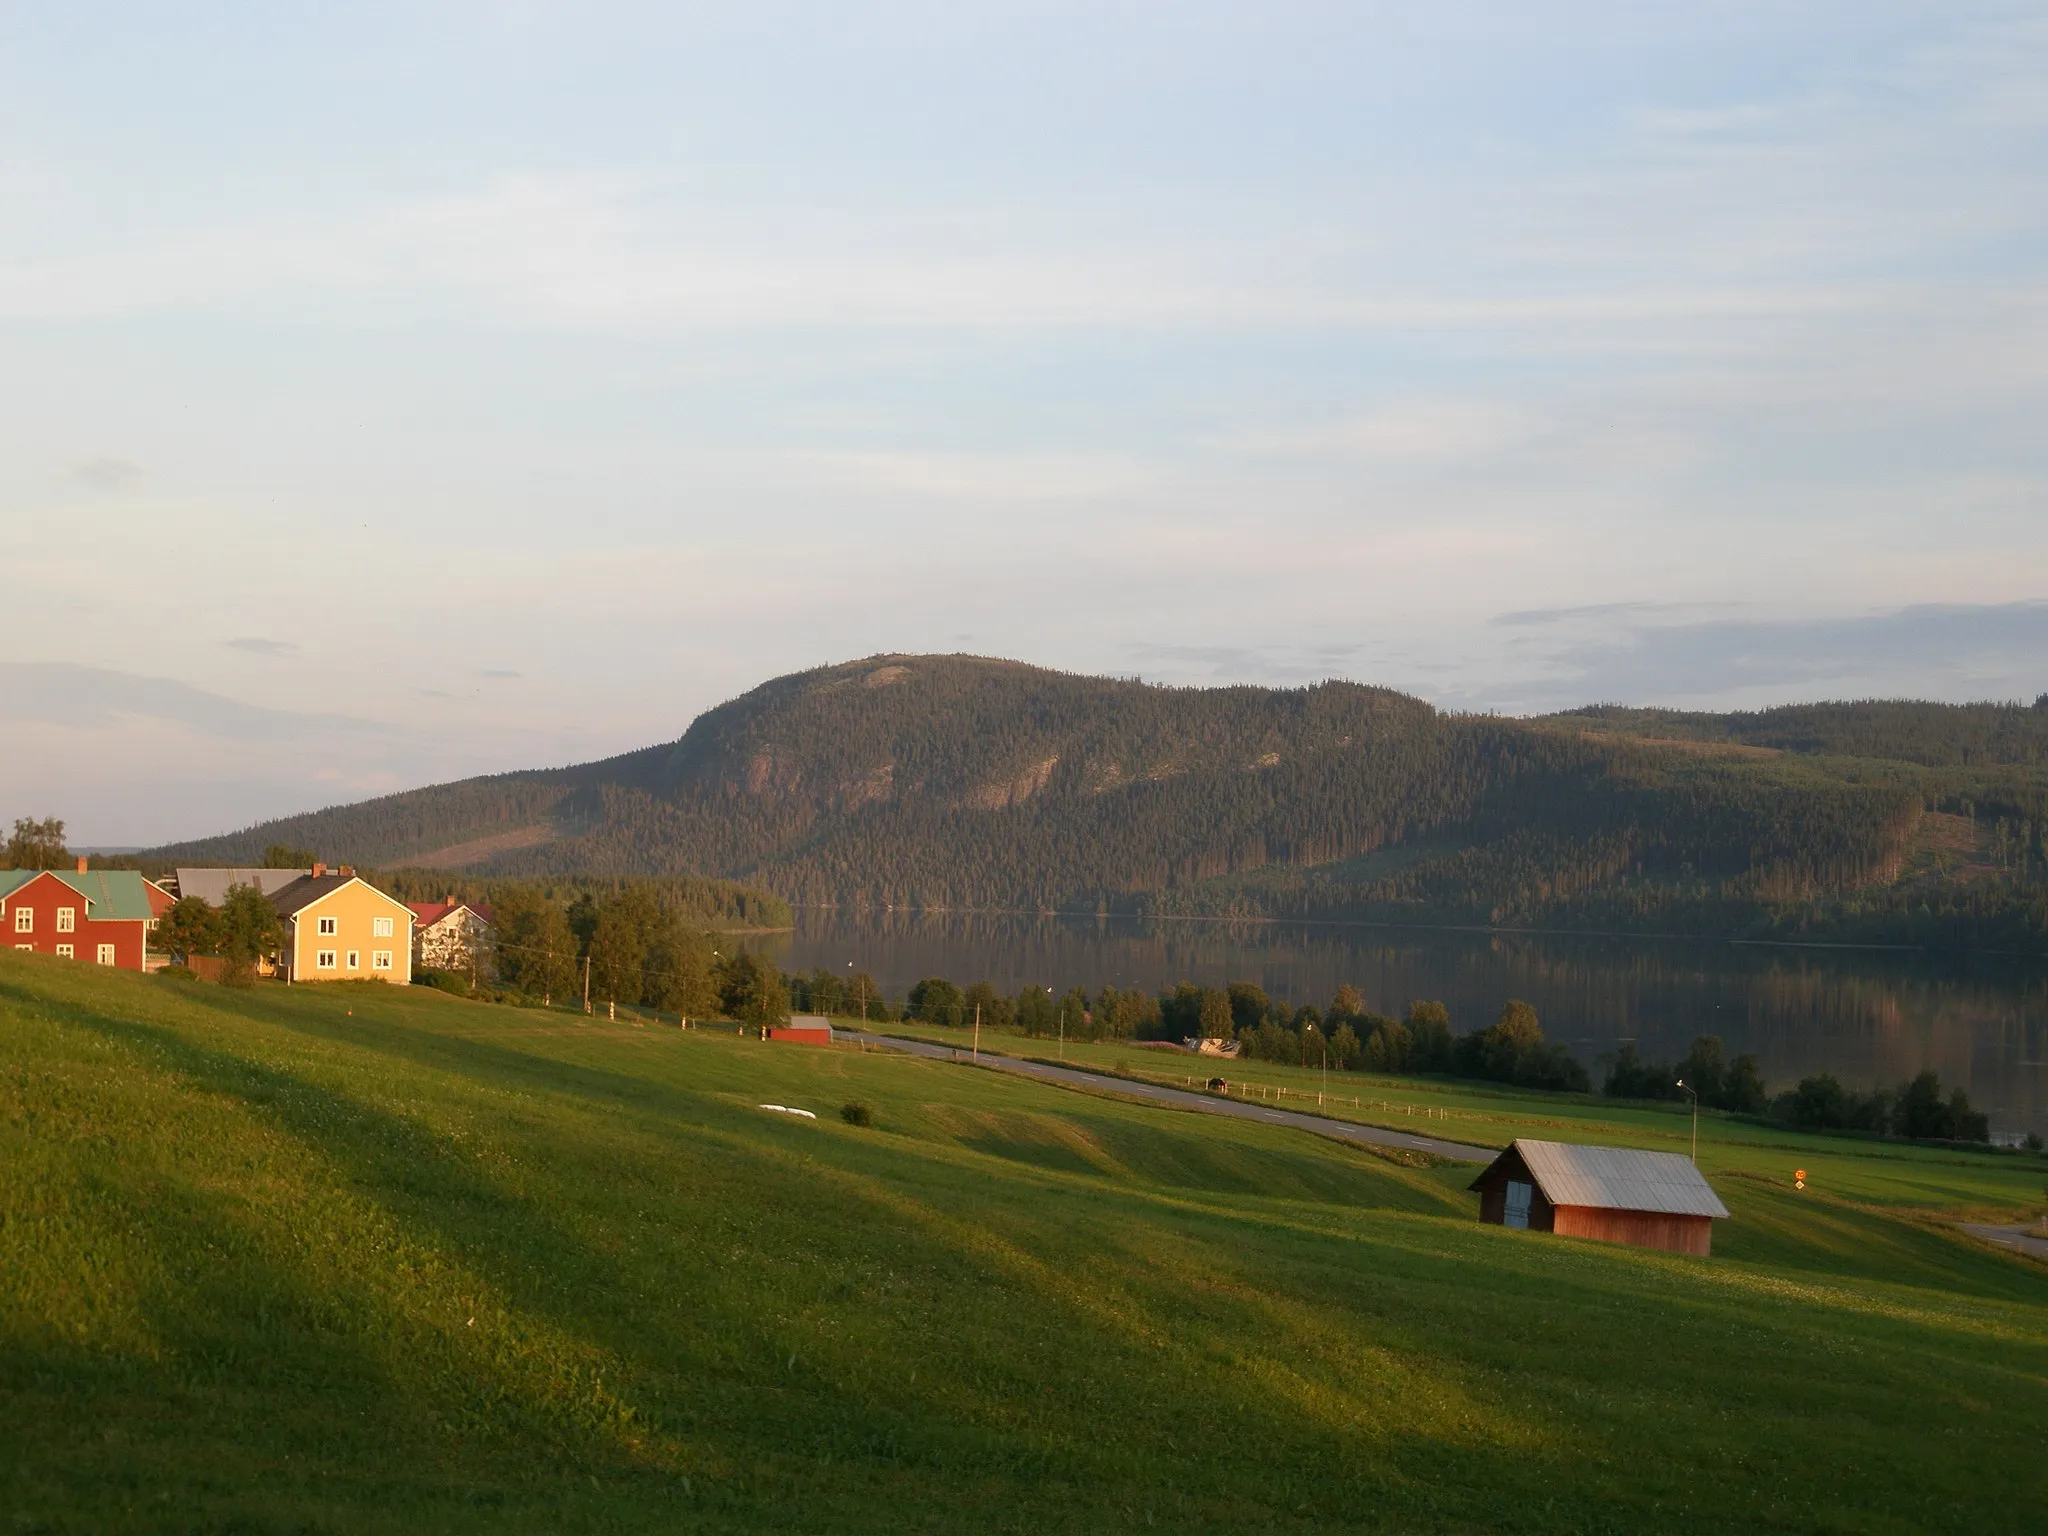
(211, 885)
(1619, 1179)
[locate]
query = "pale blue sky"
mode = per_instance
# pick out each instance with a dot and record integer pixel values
(425, 390)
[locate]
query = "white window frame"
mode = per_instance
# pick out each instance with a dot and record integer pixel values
(323, 960)
(29, 947)
(327, 928)
(355, 960)
(380, 959)
(106, 955)
(63, 951)
(67, 919)
(380, 927)
(24, 920)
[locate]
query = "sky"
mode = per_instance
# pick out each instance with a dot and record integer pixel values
(395, 393)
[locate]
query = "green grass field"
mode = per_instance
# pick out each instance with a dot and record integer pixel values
(354, 1258)
(1977, 1185)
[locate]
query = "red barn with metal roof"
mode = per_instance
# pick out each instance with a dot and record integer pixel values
(1612, 1194)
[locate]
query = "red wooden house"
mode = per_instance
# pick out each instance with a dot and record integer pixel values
(98, 915)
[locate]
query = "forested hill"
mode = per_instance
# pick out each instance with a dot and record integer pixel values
(959, 781)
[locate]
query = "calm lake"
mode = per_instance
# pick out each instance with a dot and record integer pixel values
(1868, 1016)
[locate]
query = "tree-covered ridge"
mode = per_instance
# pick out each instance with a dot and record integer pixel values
(961, 782)
(1905, 730)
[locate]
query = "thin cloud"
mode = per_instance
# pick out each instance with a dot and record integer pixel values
(106, 474)
(498, 672)
(257, 645)
(1541, 616)
(1953, 651)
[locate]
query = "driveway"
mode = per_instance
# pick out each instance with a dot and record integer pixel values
(1074, 1077)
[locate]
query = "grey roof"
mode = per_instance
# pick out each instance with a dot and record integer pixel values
(1617, 1178)
(211, 885)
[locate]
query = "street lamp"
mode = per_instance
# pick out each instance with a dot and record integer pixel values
(1695, 1119)
(1324, 1041)
(1063, 1024)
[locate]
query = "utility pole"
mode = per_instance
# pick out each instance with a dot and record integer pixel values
(977, 1032)
(586, 983)
(1063, 1025)
(1695, 1120)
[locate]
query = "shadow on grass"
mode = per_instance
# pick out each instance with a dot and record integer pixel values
(770, 1325)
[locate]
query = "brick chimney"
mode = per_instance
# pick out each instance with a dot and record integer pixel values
(347, 871)
(81, 863)
(319, 869)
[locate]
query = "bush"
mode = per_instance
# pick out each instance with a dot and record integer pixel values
(856, 1114)
(448, 981)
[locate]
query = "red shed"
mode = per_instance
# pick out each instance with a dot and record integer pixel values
(1614, 1194)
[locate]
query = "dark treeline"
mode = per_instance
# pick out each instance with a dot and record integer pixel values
(965, 783)
(1914, 1109)
(723, 904)
(1939, 735)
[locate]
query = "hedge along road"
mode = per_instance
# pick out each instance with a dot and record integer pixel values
(1321, 1125)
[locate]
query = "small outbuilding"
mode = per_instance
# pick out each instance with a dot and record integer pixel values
(1613, 1194)
(804, 1029)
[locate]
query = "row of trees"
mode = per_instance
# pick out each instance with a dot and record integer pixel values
(1736, 1085)
(628, 946)
(1348, 1036)
(1914, 1109)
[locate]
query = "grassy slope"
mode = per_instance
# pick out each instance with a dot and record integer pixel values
(267, 1263)
(1922, 1181)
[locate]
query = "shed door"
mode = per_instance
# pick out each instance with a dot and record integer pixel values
(1516, 1213)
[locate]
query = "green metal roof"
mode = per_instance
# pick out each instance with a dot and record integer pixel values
(111, 894)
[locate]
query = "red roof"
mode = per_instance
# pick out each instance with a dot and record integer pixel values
(428, 913)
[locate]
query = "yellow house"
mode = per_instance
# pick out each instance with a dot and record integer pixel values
(338, 927)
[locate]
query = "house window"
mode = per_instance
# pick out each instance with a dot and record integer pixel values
(324, 960)
(63, 951)
(106, 954)
(67, 919)
(380, 927)
(29, 947)
(327, 929)
(24, 921)
(380, 959)
(355, 959)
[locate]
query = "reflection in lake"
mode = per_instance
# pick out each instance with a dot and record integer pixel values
(1868, 1016)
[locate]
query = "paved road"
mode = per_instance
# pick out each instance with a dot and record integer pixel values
(1321, 1125)
(2027, 1239)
